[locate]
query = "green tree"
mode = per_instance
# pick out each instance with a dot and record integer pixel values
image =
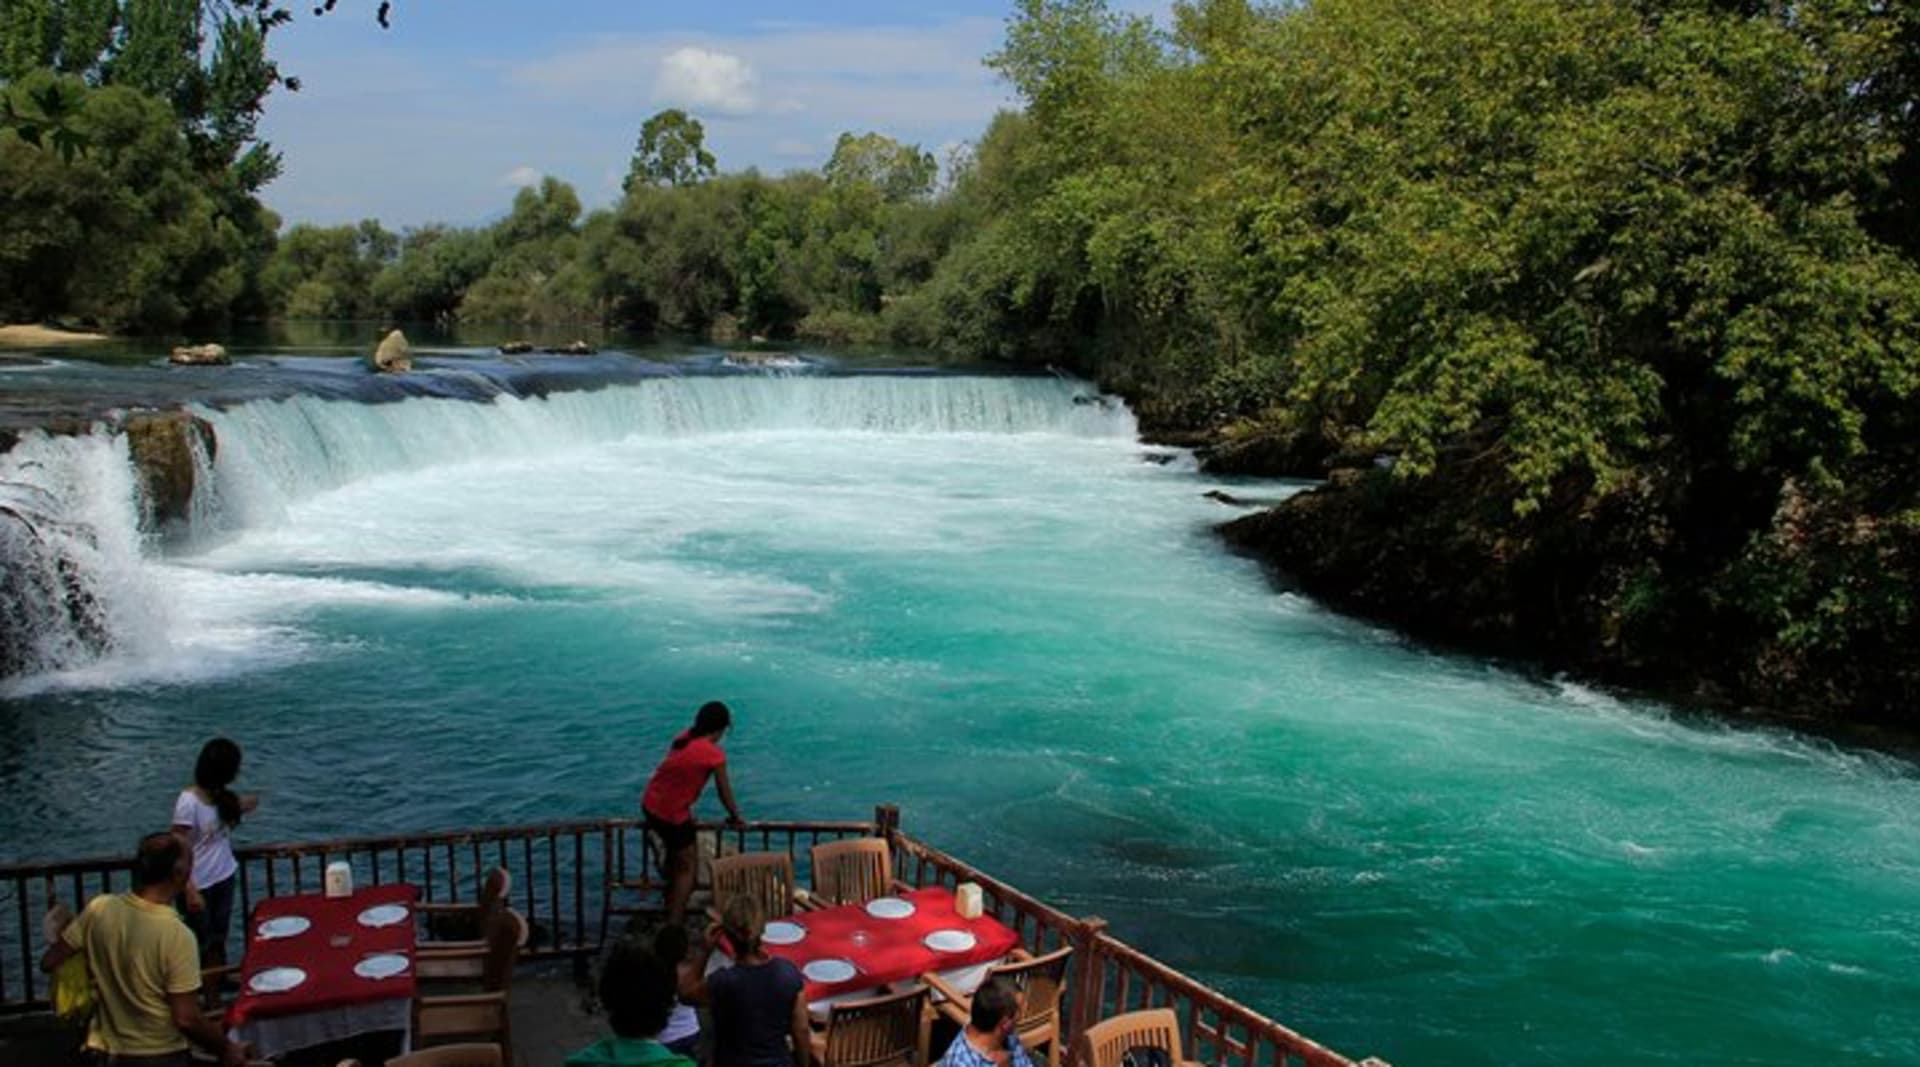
(898, 171)
(672, 151)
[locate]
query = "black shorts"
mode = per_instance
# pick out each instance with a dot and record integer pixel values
(677, 836)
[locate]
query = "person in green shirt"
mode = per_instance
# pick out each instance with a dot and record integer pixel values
(637, 991)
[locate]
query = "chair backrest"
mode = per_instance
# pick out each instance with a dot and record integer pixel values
(1108, 1043)
(1041, 979)
(494, 892)
(885, 1030)
(766, 876)
(506, 931)
(471, 1054)
(853, 871)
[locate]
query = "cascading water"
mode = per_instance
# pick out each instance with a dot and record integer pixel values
(71, 586)
(76, 589)
(274, 452)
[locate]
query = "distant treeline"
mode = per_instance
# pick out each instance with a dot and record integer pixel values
(836, 254)
(1632, 278)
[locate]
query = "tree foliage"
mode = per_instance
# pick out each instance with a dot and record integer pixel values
(672, 151)
(73, 75)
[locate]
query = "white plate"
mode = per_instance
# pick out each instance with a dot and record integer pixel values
(385, 965)
(384, 915)
(284, 926)
(783, 933)
(889, 908)
(949, 941)
(276, 979)
(829, 970)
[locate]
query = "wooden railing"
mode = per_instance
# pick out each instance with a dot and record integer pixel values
(1110, 976)
(570, 879)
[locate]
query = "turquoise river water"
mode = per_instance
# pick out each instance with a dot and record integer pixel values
(969, 596)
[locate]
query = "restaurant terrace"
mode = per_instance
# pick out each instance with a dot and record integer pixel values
(485, 937)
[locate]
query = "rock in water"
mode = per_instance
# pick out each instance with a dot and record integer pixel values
(162, 446)
(577, 348)
(516, 348)
(393, 355)
(208, 355)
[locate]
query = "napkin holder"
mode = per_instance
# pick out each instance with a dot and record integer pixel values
(967, 901)
(339, 879)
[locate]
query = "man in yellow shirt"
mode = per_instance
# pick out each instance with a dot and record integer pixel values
(145, 967)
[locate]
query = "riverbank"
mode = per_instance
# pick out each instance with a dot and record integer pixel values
(33, 335)
(1719, 595)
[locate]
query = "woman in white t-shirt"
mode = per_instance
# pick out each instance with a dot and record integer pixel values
(204, 816)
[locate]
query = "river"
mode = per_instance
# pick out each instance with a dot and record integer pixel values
(983, 599)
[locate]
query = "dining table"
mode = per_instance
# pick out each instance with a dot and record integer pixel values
(320, 969)
(852, 951)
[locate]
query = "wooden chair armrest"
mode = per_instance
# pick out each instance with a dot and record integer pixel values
(1020, 954)
(950, 1011)
(951, 998)
(806, 901)
(450, 948)
(461, 1000)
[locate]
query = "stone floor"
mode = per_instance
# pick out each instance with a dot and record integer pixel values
(550, 1016)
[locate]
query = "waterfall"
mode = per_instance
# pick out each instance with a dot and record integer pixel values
(71, 548)
(75, 556)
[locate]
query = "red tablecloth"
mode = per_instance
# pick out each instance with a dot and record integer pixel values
(891, 950)
(330, 982)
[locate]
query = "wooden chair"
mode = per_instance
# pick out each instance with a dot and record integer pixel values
(1041, 978)
(465, 960)
(463, 1055)
(886, 1031)
(484, 1015)
(853, 871)
(495, 890)
(767, 876)
(1110, 1042)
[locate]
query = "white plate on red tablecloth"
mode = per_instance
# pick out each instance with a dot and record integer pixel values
(889, 908)
(783, 933)
(829, 971)
(384, 915)
(384, 965)
(949, 941)
(276, 979)
(284, 926)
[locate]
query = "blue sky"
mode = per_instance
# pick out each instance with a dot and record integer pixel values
(442, 116)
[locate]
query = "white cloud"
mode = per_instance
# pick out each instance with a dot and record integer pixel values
(700, 79)
(521, 176)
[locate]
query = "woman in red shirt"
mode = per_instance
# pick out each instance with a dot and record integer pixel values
(671, 792)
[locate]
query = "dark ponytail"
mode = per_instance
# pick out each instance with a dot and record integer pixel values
(214, 772)
(712, 718)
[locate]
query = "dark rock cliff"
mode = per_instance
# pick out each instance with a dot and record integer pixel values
(1661, 585)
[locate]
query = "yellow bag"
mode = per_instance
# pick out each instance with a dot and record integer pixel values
(73, 990)
(72, 985)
